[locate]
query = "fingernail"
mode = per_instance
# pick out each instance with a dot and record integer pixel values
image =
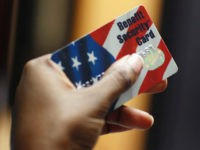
(136, 62)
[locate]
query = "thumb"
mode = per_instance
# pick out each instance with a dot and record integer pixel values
(119, 77)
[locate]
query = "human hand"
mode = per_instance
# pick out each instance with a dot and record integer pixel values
(50, 113)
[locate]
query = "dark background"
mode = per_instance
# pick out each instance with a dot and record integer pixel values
(5, 22)
(177, 111)
(21, 31)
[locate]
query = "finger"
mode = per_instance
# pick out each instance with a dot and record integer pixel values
(126, 118)
(160, 87)
(119, 77)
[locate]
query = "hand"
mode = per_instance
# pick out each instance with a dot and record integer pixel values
(50, 113)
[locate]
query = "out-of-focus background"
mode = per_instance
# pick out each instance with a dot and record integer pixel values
(31, 28)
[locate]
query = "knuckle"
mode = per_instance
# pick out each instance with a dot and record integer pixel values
(29, 65)
(37, 62)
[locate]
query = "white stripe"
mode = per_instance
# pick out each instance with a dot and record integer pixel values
(134, 90)
(171, 69)
(112, 43)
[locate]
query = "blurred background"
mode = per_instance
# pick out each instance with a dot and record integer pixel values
(32, 28)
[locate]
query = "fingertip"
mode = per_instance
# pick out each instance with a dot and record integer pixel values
(146, 120)
(160, 87)
(131, 118)
(150, 123)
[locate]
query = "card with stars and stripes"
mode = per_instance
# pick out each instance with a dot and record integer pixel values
(85, 60)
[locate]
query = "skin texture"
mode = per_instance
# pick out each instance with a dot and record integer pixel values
(51, 114)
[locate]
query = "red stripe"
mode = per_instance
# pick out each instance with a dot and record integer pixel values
(101, 34)
(155, 76)
(130, 45)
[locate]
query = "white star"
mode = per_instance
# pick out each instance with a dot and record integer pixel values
(60, 65)
(78, 85)
(73, 43)
(94, 79)
(92, 58)
(76, 63)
